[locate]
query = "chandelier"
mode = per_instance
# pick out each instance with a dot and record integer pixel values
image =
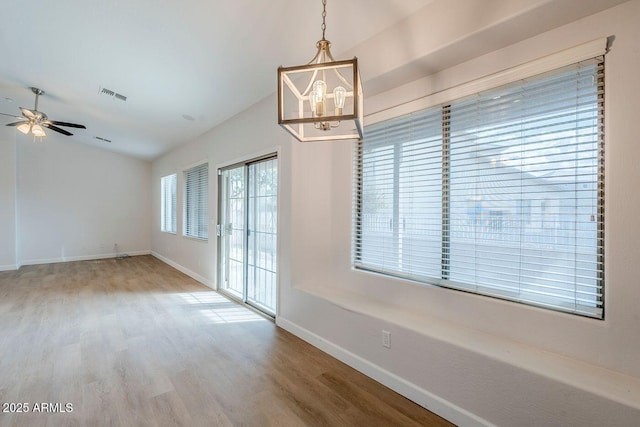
(322, 100)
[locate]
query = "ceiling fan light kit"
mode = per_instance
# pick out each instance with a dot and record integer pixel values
(24, 127)
(33, 121)
(322, 100)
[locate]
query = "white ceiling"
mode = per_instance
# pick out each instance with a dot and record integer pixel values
(207, 59)
(210, 59)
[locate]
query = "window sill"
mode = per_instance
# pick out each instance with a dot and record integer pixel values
(197, 239)
(592, 378)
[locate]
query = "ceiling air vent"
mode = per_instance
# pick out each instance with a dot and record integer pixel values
(111, 94)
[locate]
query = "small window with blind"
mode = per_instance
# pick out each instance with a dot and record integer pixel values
(196, 202)
(500, 193)
(168, 203)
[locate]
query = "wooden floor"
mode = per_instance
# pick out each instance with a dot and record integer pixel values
(134, 342)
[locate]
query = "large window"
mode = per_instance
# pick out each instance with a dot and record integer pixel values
(168, 203)
(499, 193)
(196, 202)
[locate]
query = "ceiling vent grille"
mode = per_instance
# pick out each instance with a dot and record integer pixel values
(112, 94)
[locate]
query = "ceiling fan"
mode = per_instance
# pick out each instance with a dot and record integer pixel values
(33, 121)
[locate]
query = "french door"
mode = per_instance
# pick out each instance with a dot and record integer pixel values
(247, 232)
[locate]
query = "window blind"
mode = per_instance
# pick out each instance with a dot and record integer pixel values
(499, 193)
(168, 203)
(399, 197)
(196, 202)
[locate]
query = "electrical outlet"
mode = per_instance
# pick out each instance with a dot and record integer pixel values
(386, 339)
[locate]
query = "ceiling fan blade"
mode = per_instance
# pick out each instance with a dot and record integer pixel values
(71, 125)
(28, 113)
(11, 115)
(57, 129)
(16, 123)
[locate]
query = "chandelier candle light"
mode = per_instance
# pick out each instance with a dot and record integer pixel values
(322, 100)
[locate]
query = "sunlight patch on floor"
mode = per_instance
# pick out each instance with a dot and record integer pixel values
(218, 309)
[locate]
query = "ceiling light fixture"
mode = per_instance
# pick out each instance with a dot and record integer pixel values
(33, 121)
(37, 131)
(322, 100)
(24, 127)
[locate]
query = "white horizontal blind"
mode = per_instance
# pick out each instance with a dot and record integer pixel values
(525, 215)
(519, 175)
(399, 195)
(168, 203)
(196, 202)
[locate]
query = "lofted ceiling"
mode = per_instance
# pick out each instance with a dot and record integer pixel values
(186, 66)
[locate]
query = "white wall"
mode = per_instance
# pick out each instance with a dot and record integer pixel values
(7, 198)
(238, 139)
(473, 359)
(76, 202)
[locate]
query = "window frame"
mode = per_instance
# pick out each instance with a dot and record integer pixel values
(172, 179)
(445, 107)
(202, 202)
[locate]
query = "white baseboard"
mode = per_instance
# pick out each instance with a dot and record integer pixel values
(80, 258)
(422, 397)
(10, 267)
(185, 270)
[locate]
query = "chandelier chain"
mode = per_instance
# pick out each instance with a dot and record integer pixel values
(324, 16)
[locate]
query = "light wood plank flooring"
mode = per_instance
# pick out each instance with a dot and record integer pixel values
(134, 342)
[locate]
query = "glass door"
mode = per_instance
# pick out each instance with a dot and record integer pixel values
(231, 230)
(262, 238)
(248, 232)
